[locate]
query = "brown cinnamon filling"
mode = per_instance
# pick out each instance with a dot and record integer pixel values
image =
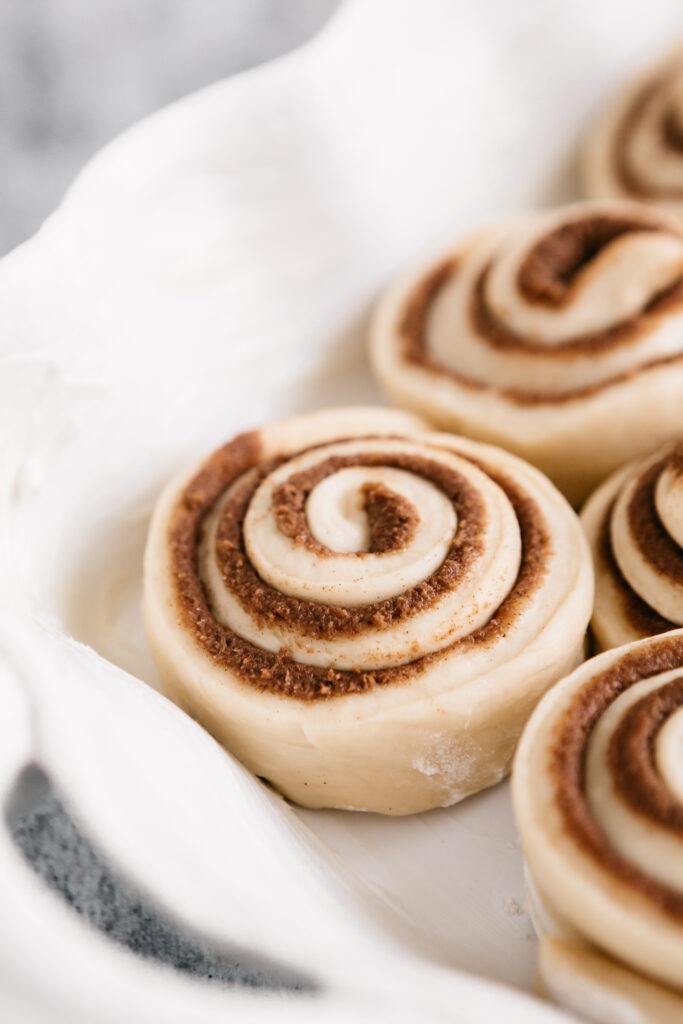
(644, 619)
(567, 761)
(675, 459)
(632, 756)
(413, 329)
(649, 534)
(490, 328)
(324, 621)
(551, 271)
(670, 133)
(672, 130)
(279, 673)
(392, 519)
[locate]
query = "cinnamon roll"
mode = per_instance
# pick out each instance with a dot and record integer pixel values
(598, 796)
(362, 611)
(634, 524)
(635, 149)
(558, 336)
(597, 988)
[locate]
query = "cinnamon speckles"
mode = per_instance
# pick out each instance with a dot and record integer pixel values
(551, 270)
(630, 754)
(392, 518)
(324, 621)
(237, 470)
(550, 275)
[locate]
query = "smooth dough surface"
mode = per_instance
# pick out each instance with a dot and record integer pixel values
(556, 335)
(362, 611)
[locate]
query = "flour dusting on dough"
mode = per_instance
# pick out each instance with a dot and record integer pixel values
(447, 756)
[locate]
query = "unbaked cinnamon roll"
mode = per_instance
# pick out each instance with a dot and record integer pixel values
(635, 149)
(558, 336)
(634, 523)
(597, 988)
(598, 796)
(364, 612)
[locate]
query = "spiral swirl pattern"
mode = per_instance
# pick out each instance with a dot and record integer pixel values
(543, 332)
(598, 794)
(342, 570)
(635, 150)
(634, 523)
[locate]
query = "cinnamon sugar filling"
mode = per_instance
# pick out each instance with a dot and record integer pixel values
(670, 133)
(654, 542)
(270, 607)
(568, 753)
(550, 274)
(392, 519)
(490, 328)
(279, 673)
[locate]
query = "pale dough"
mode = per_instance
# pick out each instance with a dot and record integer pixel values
(448, 726)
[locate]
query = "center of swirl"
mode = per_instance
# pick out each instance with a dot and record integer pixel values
(356, 510)
(500, 571)
(347, 534)
(574, 284)
(553, 307)
(551, 269)
(367, 518)
(617, 762)
(326, 557)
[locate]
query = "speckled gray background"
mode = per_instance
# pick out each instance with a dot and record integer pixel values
(73, 74)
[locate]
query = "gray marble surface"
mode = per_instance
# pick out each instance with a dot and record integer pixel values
(74, 73)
